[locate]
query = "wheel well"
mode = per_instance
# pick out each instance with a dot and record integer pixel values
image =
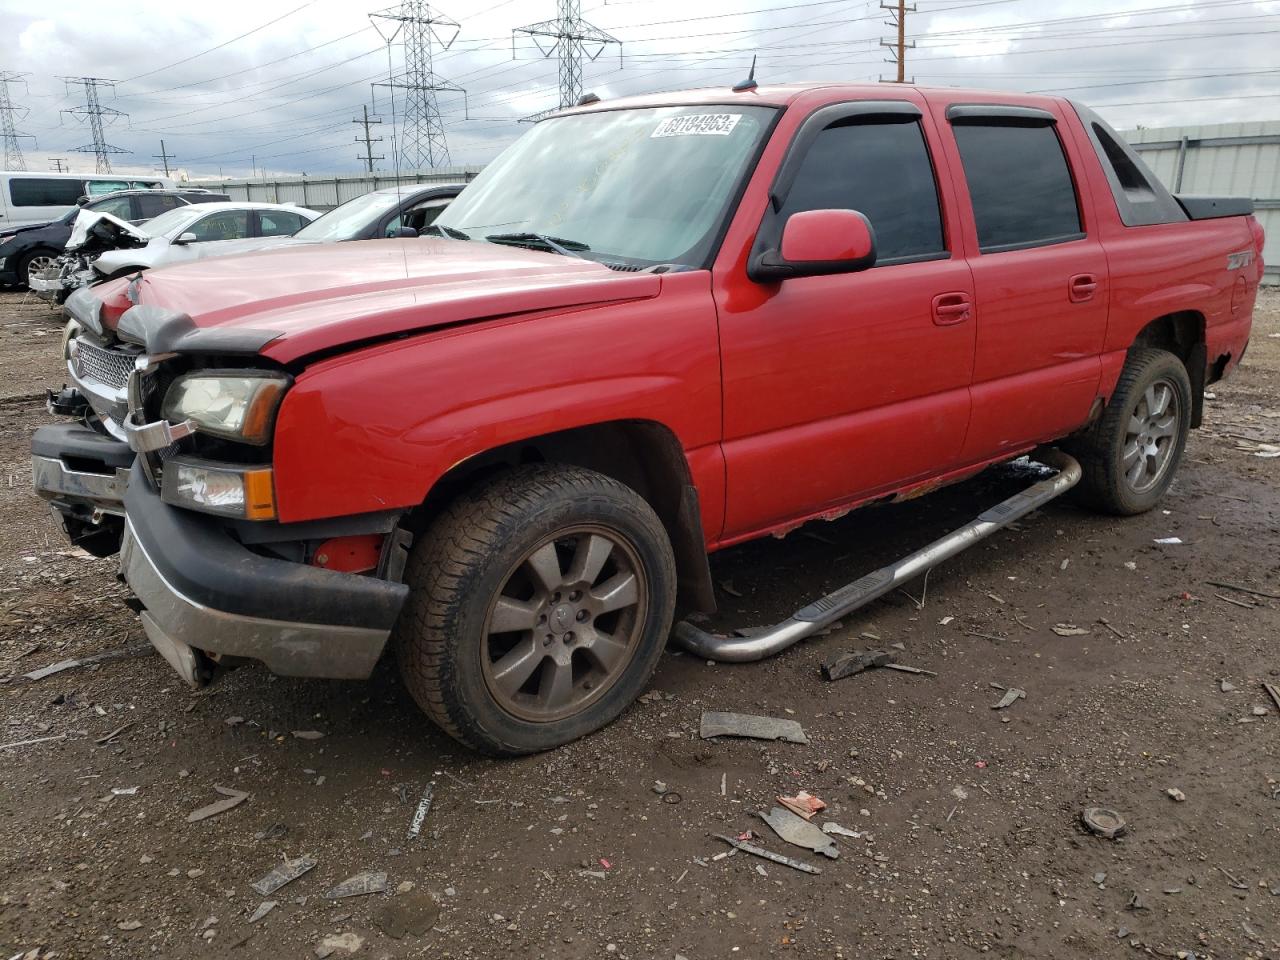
(1182, 334)
(644, 455)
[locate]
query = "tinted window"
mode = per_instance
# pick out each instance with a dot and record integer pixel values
(226, 225)
(152, 205)
(1019, 183)
(118, 207)
(39, 192)
(277, 224)
(881, 170)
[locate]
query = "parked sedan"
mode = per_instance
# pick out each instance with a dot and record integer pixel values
(193, 233)
(33, 247)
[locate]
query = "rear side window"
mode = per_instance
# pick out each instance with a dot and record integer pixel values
(42, 192)
(277, 224)
(881, 170)
(152, 205)
(1019, 183)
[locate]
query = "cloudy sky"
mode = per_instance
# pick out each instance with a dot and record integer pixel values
(274, 85)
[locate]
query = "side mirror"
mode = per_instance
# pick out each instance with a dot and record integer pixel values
(185, 238)
(403, 233)
(817, 243)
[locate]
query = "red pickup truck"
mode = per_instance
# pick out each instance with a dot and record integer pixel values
(650, 329)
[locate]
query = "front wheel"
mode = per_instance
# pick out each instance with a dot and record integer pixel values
(540, 605)
(35, 263)
(1131, 454)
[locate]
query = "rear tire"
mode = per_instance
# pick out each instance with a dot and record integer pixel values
(1131, 454)
(540, 604)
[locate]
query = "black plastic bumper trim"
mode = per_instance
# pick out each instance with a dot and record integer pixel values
(75, 441)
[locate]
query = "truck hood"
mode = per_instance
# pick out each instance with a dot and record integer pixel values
(290, 303)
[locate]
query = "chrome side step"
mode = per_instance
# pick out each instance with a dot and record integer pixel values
(814, 617)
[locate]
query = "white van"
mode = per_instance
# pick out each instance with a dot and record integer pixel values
(27, 198)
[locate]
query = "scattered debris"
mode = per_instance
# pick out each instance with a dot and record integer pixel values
(659, 787)
(1243, 589)
(273, 832)
(1235, 881)
(346, 942)
(234, 799)
(403, 916)
(1011, 696)
(1069, 630)
(728, 587)
(265, 907)
(1273, 692)
(904, 668)
(1107, 623)
(124, 791)
(128, 925)
(136, 650)
(803, 804)
(25, 743)
(746, 725)
(371, 881)
(424, 807)
(846, 665)
(755, 851)
(800, 832)
(287, 872)
(834, 828)
(307, 734)
(1259, 710)
(103, 741)
(1226, 686)
(944, 621)
(1176, 795)
(1168, 541)
(1236, 603)
(1103, 822)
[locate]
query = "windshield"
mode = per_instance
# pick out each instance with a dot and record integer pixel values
(647, 185)
(172, 220)
(345, 221)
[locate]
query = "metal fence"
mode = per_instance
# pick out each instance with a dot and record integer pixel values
(1222, 159)
(326, 192)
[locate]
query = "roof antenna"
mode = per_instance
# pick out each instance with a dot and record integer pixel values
(750, 83)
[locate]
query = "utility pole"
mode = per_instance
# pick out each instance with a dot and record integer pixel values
(13, 159)
(898, 11)
(93, 112)
(422, 140)
(164, 157)
(573, 40)
(58, 165)
(368, 141)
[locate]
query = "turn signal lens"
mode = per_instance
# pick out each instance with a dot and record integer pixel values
(227, 490)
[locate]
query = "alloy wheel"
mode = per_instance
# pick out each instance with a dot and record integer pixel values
(1151, 436)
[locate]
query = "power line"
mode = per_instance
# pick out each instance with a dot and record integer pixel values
(93, 112)
(13, 159)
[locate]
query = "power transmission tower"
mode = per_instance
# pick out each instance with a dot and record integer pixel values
(420, 27)
(573, 40)
(164, 157)
(93, 111)
(367, 140)
(13, 159)
(58, 164)
(898, 11)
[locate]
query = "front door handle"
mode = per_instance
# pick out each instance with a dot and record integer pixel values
(1082, 287)
(951, 308)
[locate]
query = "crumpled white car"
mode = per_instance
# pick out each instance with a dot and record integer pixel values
(195, 232)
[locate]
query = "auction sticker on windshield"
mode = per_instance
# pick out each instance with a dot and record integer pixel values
(698, 124)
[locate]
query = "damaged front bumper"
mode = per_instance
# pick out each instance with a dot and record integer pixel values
(83, 475)
(206, 598)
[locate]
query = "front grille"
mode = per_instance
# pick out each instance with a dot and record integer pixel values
(111, 368)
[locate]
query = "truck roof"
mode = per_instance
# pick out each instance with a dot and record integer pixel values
(781, 94)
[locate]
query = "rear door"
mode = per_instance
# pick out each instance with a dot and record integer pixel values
(279, 223)
(839, 387)
(1039, 273)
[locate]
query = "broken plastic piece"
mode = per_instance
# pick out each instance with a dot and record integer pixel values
(1105, 823)
(745, 725)
(800, 832)
(287, 872)
(424, 807)
(234, 799)
(755, 851)
(848, 664)
(1011, 696)
(804, 804)
(372, 881)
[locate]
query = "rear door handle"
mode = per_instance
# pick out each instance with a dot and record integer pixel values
(951, 308)
(1082, 287)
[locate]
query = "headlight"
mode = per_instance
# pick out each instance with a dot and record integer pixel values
(226, 489)
(233, 404)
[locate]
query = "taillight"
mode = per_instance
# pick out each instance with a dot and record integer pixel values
(1259, 234)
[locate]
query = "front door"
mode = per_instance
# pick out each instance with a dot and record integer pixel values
(839, 387)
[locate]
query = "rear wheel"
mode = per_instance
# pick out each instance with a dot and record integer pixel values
(1131, 454)
(541, 604)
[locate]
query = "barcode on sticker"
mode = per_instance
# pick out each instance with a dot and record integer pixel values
(698, 124)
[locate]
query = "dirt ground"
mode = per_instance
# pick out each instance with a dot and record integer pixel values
(974, 841)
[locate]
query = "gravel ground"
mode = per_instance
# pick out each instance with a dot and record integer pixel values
(971, 816)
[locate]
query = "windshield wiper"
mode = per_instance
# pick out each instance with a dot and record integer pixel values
(452, 232)
(568, 248)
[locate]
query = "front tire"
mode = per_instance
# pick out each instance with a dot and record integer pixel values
(34, 262)
(1131, 454)
(540, 604)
